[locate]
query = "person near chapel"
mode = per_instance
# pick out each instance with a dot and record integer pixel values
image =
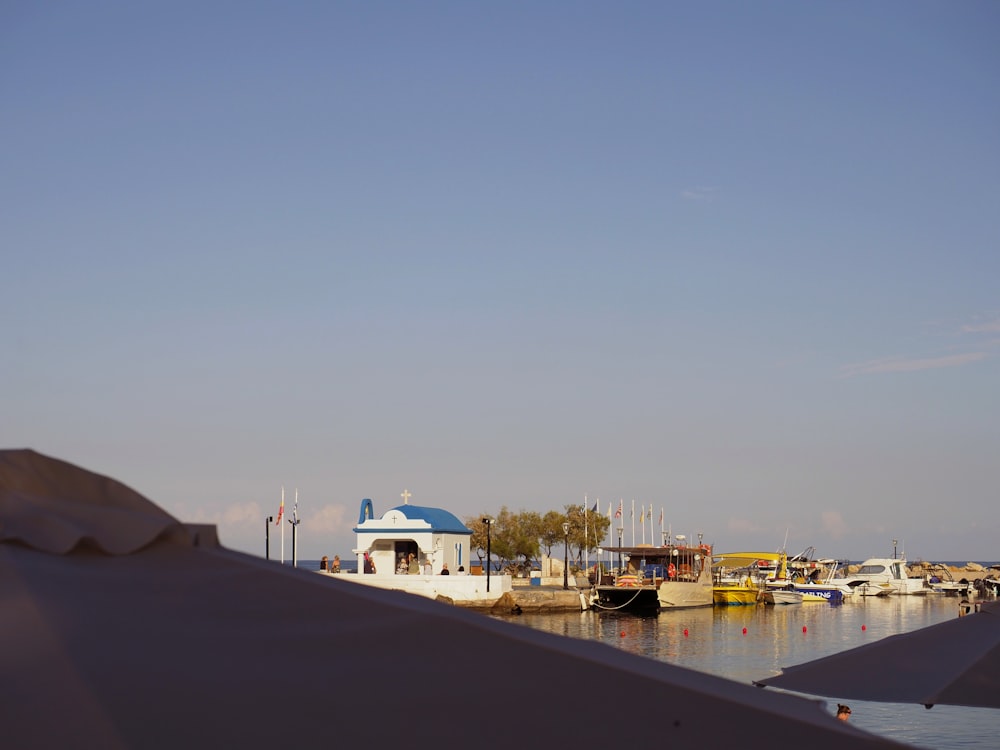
(843, 712)
(444, 569)
(414, 567)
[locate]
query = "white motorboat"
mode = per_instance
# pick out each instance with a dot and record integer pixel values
(880, 576)
(940, 580)
(780, 589)
(781, 595)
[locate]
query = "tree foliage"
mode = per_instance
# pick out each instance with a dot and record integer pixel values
(516, 539)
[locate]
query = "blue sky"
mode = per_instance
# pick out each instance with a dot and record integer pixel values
(736, 261)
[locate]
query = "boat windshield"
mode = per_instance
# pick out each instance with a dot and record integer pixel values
(871, 570)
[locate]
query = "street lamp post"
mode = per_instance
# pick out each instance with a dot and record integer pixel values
(267, 537)
(565, 556)
(620, 530)
(487, 521)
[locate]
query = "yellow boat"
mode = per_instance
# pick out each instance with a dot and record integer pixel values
(735, 592)
(738, 577)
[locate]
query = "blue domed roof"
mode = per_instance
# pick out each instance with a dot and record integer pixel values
(439, 520)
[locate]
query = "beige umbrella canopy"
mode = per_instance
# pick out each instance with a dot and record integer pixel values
(123, 628)
(955, 663)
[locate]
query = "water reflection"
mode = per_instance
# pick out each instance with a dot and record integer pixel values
(748, 643)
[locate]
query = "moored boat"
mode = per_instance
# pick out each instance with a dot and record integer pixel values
(814, 591)
(651, 579)
(739, 577)
(780, 589)
(782, 595)
(880, 576)
(940, 580)
(735, 592)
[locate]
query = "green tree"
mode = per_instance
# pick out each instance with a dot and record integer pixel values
(586, 529)
(516, 539)
(597, 529)
(551, 531)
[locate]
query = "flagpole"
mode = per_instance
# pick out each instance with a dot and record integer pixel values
(282, 526)
(586, 536)
(294, 521)
(632, 516)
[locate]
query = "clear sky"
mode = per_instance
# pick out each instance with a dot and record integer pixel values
(738, 261)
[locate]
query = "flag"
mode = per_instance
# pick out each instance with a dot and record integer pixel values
(661, 515)
(281, 510)
(594, 509)
(295, 510)
(618, 513)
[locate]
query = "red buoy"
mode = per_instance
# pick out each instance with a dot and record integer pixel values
(685, 632)
(863, 627)
(623, 634)
(744, 631)
(803, 628)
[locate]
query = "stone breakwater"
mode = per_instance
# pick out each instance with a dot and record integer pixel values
(523, 600)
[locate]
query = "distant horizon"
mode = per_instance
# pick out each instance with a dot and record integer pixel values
(951, 563)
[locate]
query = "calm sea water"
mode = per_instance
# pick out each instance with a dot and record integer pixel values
(781, 636)
(777, 637)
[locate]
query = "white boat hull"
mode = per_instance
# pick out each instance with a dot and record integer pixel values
(783, 596)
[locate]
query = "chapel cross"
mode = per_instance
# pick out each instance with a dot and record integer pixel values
(406, 497)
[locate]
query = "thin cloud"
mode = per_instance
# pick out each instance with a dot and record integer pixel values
(910, 364)
(878, 366)
(992, 327)
(834, 524)
(243, 517)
